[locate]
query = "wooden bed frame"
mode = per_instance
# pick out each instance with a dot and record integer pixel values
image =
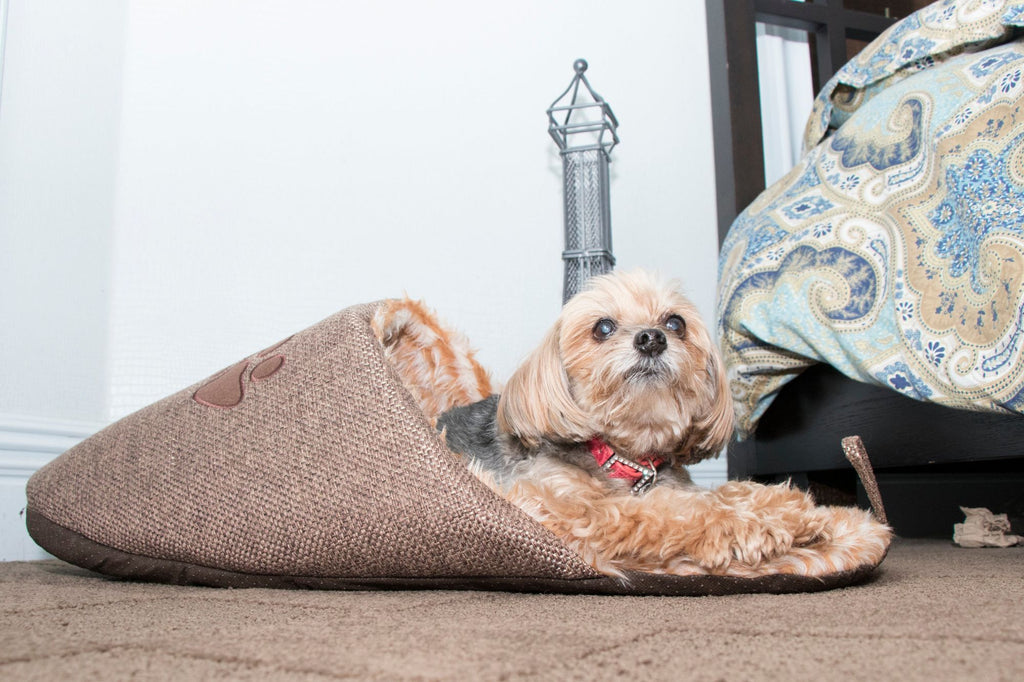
(929, 459)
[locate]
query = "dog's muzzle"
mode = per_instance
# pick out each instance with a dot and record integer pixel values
(647, 368)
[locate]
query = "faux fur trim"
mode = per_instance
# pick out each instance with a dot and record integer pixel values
(434, 361)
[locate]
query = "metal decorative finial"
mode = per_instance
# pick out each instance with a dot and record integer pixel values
(585, 130)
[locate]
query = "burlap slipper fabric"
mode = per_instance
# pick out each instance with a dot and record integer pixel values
(311, 464)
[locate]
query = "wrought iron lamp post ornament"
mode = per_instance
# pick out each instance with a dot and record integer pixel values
(584, 127)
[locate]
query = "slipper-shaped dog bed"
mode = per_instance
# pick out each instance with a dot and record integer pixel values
(315, 464)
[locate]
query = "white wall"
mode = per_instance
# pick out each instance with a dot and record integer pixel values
(185, 183)
(59, 111)
(281, 160)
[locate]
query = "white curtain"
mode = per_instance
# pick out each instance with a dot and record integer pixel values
(784, 69)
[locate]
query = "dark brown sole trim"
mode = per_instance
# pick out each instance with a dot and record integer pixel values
(79, 550)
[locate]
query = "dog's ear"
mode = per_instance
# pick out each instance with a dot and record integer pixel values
(537, 403)
(712, 425)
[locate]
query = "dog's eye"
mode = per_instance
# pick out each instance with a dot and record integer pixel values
(604, 328)
(676, 324)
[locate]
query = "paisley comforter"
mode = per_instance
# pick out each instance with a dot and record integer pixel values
(894, 251)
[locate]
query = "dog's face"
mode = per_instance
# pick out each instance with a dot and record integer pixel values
(629, 360)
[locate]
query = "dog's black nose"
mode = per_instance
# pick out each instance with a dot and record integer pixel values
(650, 342)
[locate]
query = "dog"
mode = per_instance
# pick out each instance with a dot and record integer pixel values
(592, 434)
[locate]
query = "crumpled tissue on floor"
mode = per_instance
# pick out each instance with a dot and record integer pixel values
(982, 528)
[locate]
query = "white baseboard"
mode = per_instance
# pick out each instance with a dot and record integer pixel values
(710, 473)
(26, 445)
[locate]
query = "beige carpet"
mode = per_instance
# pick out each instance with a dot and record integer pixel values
(935, 612)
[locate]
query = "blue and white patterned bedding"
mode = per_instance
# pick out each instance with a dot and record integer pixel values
(894, 251)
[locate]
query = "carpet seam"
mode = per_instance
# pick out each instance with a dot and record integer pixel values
(221, 600)
(626, 644)
(250, 663)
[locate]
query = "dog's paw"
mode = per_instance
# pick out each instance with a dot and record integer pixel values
(851, 538)
(752, 525)
(747, 541)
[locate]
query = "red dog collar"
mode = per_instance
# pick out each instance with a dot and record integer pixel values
(644, 473)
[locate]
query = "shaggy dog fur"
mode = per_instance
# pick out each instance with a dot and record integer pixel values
(628, 364)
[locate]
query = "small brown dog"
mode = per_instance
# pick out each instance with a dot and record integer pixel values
(591, 435)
